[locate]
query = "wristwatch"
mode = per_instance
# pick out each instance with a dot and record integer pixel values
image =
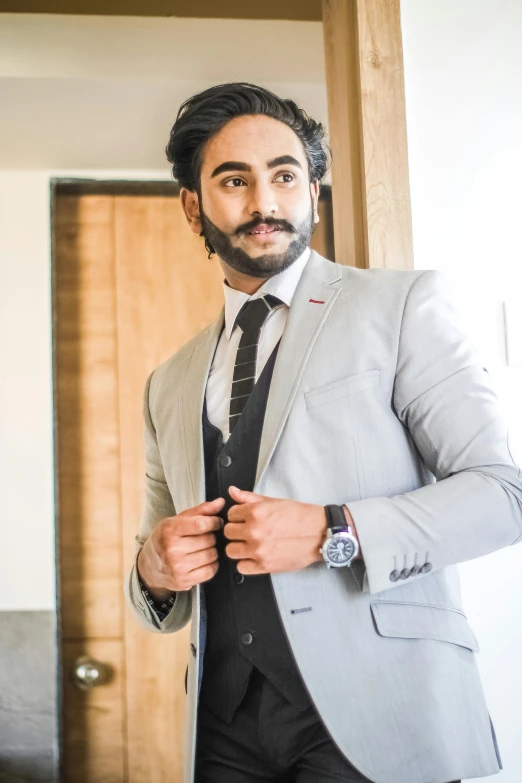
(340, 546)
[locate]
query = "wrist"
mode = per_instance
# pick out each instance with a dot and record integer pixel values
(322, 527)
(322, 531)
(350, 521)
(159, 594)
(159, 604)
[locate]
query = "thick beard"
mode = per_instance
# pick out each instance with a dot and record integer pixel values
(264, 266)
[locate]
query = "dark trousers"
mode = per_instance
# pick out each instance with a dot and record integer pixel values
(269, 740)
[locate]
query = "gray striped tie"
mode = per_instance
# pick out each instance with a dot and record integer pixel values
(250, 319)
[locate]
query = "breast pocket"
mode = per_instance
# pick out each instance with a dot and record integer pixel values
(419, 621)
(337, 390)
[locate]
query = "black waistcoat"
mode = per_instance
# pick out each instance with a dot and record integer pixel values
(244, 628)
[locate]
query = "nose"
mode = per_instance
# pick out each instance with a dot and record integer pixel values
(262, 200)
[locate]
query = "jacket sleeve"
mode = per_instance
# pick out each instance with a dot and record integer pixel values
(158, 504)
(444, 397)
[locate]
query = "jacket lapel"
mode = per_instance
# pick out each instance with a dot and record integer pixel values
(305, 321)
(191, 411)
(319, 282)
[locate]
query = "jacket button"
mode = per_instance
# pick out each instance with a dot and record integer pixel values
(395, 576)
(225, 461)
(405, 573)
(193, 650)
(426, 568)
(239, 578)
(246, 638)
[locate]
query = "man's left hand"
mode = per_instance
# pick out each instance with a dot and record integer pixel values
(270, 535)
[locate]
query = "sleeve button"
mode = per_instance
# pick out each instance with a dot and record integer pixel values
(405, 573)
(395, 576)
(426, 568)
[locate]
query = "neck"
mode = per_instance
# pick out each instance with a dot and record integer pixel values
(240, 282)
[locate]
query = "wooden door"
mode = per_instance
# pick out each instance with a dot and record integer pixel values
(131, 285)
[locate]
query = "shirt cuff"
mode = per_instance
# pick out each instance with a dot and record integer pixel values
(161, 609)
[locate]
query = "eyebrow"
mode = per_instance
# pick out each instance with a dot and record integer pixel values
(237, 165)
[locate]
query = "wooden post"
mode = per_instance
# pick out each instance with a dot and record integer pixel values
(367, 125)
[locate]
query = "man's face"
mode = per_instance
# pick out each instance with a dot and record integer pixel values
(257, 206)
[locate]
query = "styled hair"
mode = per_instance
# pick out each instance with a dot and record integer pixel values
(203, 115)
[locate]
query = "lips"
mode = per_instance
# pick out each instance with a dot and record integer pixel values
(263, 228)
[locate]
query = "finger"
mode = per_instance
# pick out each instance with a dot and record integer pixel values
(209, 507)
(189, 544)
(195, 560)
(196, 525)
(237, 513)
(249, 567)
(235, 531)
(243, 495)
(238, 550)
(204, 573)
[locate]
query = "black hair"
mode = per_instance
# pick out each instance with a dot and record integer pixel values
(203, 115)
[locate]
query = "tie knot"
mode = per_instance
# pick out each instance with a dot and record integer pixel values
(254, 312)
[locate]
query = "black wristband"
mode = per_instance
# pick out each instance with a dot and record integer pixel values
(335, 518)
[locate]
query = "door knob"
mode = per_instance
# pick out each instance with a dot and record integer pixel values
(88, 673)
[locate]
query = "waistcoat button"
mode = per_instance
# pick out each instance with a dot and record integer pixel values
(246, 638)
(225, 461)
(239, 578)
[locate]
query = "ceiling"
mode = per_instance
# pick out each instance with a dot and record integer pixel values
(99, 92)
(303, 10)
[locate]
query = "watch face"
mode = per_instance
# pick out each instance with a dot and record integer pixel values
(340, 549)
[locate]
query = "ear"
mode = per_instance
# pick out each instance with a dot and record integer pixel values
(190, 205)
(314, 192)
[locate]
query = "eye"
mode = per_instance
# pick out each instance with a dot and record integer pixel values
(285, 174)
(233, 182)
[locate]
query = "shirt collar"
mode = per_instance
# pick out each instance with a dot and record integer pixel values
(282, 285)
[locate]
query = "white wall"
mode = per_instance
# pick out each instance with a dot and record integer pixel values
(463, 76)
(26, 463)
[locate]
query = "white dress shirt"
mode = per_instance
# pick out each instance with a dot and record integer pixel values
(219, 384)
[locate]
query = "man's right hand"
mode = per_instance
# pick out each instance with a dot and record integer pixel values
(181, 551)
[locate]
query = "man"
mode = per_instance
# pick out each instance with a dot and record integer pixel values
(319, 459)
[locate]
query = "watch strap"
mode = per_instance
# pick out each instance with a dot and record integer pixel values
(335, 518)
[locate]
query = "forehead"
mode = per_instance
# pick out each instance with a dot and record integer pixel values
(252, 139)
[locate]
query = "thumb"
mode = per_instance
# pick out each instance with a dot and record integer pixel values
(243, 495)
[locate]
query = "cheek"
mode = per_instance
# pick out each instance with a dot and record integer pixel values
(225, 213)
(298, 204)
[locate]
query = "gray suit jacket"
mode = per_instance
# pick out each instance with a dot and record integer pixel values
(377, 400)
